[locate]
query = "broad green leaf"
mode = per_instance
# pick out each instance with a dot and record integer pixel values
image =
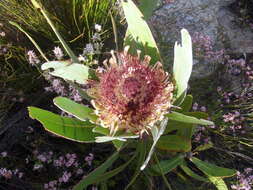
(79, 111)
(174, 143)
(197, 114)
(166, 165)
(186, 132)
(30, 38)
(192, 174)
(147, 7)
(175, 116)
(156, 135)
(95, 174)
(64, 44)
(176, 125)
(218, 182)
(212, 170)
(69, 128)
(182, 66)
(68, 71)
(140, 31)
(186, 104)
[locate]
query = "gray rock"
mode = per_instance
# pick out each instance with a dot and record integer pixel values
(209, 17)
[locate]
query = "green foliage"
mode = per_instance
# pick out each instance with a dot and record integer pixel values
(68, 128)
(156, 133)
(141, 35)
(79, 111)
(174, 143)
(75, 19)
(95, 174)
(147, 7)
(66, 70)
(212, 170)
(218, 182)
(174, 116)
(192, 174)
(182, 66)
(165, 166)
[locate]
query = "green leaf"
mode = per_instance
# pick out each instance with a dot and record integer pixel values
(186, 105)
(174, 143)
(72, 129)
(147, 7)
(114, 172)
(141, 149)
(30, 38)
(79, 111)
(175, 116)
(156, 135)
(140, 31)
(182, 66)
(101, 130)
(68, 71)
(95, 174)
(204, 147)
(64, 44)
(190, 173)
(186, 132)
(118, 144)
(218, 182)
(213, 170)
(166, 165)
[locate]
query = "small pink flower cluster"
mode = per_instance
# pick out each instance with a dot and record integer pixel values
(32, 58)
(68, 164)
(245, 180)
(201, 134)
(203, 48)
(8, 174)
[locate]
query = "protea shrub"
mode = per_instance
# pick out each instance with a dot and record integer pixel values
(131, 95)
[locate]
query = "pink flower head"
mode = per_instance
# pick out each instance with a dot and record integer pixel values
(131, 95)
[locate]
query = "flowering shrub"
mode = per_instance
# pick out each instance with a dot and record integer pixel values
(134, 101)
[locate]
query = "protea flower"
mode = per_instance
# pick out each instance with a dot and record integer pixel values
(131, 95)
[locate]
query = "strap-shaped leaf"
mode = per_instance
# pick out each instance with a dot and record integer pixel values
(175, 116)
(212, 170)
(174, 143)
(94, 175)
(140, 31)
(186, 104)
(192, 174)
(141, 149)
(68, 71)
(166, 165)
(218, 182)
(69, 128)
(156, 135)
(30, 38)
(64, 44)
(79, 111)
(182, 66)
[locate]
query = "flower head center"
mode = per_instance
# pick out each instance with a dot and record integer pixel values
(131, 87)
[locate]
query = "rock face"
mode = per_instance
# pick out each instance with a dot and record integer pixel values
(210, 18)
